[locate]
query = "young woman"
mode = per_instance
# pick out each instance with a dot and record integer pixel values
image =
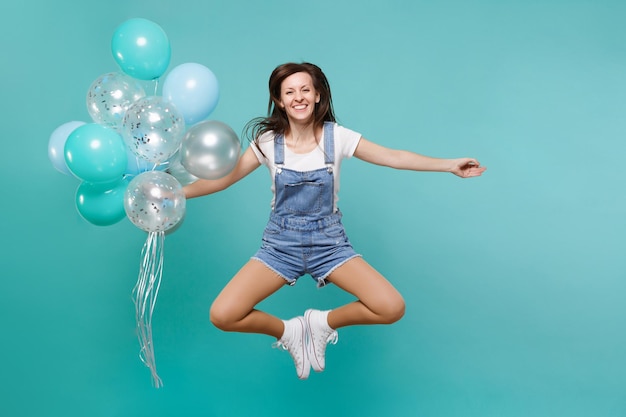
(302, 146)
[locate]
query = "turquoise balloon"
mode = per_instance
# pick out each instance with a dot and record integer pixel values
(141, 48)
(95, 153)
(101, 204)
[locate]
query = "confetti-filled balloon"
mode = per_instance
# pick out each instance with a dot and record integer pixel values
(110, 95)
(210, 150)
(154, 201)
(153, 129)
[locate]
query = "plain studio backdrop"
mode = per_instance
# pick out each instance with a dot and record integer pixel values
(514, 282)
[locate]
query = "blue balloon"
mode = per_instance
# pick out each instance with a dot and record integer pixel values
(95, 153)
(141, 48)
(194, 91)
(56, 145)
(102, 204)
(136, 165)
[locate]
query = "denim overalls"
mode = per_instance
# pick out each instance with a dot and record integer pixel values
(303, 234)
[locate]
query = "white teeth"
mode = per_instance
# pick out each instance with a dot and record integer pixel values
(301, 107)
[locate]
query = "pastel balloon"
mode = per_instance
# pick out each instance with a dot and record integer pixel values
(154, 201)
(136, 165)
(56, 145)
(101, 204)
(210, 150)
(153, 129)
(95, 153)
(110, 95)
(193, 89)
(141, 48)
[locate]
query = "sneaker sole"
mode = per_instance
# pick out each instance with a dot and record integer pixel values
(307, 366)
(310, 347)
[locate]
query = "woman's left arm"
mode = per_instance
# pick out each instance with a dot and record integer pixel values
(399, 159)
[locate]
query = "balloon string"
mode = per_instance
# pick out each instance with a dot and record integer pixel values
(161, 164)
(145, 295)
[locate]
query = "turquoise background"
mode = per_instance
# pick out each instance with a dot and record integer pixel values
(514, 282)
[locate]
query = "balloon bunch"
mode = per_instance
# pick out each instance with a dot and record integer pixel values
(140, 149)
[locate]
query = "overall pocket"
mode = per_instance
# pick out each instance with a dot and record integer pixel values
(303, 197)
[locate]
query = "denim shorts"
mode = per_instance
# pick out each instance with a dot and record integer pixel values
(294, 247)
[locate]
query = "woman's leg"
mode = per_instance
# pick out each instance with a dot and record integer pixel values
(233, 309)
(378, 302)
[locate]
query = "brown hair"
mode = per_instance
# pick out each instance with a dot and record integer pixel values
(276, 119)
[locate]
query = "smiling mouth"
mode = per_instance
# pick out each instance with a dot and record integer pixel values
(300, 107)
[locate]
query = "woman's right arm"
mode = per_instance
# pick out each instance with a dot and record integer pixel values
(247, 163)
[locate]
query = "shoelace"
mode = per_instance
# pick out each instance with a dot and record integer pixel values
(332, 338)
(280, 345)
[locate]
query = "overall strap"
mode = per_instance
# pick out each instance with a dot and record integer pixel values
(329, 144)
(279, 150)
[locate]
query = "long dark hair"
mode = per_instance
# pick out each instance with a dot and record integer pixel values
(276, 119)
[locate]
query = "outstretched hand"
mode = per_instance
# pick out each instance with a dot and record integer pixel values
(467, 167)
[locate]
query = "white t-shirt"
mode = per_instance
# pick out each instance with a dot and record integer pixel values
(346, 141)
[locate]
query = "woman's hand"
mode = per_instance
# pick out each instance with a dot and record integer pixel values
(467, 167)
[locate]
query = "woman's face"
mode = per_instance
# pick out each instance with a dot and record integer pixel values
(298, 97)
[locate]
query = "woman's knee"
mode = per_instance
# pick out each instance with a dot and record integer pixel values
(392, 310)
(221, 317)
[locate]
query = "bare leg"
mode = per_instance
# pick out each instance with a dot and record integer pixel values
(378, 301)
(233, 309)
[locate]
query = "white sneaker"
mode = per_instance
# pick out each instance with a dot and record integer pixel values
(320, 335)
(293, 341)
